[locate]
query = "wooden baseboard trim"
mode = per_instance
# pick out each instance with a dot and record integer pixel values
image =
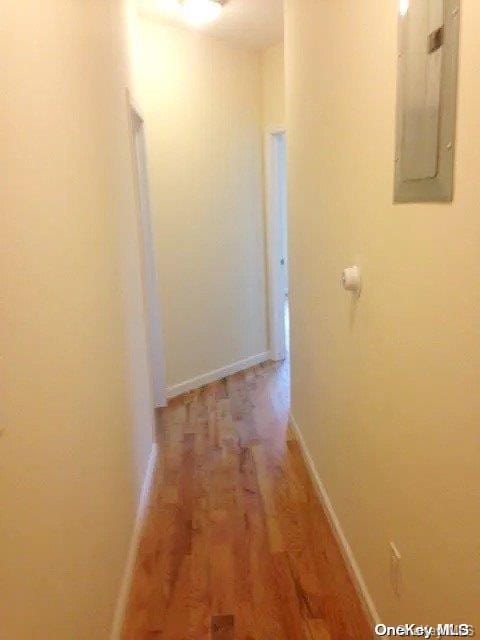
(126, 584)
(217, 374)
(347, 553)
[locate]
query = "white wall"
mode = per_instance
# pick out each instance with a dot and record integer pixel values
(75, 396)
(201, 100)
(386, 390)
(273, 86)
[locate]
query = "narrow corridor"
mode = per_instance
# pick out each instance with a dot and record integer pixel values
(236, 544)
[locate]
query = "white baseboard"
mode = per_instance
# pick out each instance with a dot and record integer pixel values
(127, 579)
(347, 553)
(217, 374)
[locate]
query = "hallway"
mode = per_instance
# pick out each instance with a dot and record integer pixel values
(236, 544)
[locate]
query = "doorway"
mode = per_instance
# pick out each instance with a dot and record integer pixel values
(277, 243)
(148, 261)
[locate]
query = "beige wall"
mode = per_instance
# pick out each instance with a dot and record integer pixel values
(201, 100)
(75, 401)
(386, 390)
(273, 86)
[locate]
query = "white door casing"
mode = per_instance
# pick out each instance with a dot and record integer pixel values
(276, 226)
(149, 265)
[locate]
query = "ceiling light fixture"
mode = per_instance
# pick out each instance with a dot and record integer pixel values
(404, 6)
(201, 12)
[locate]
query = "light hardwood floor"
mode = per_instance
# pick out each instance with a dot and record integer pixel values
(237, 546)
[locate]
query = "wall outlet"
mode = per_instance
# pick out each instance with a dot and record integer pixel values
(395, 569)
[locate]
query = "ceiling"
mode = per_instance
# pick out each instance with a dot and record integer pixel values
(251, 23)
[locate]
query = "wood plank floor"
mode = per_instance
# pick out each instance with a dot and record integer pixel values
(236, 546)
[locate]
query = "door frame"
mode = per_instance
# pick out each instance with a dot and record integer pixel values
(276, 297)
(146, 245)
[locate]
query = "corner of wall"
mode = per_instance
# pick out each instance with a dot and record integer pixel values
(351, 563)
(128, 574)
